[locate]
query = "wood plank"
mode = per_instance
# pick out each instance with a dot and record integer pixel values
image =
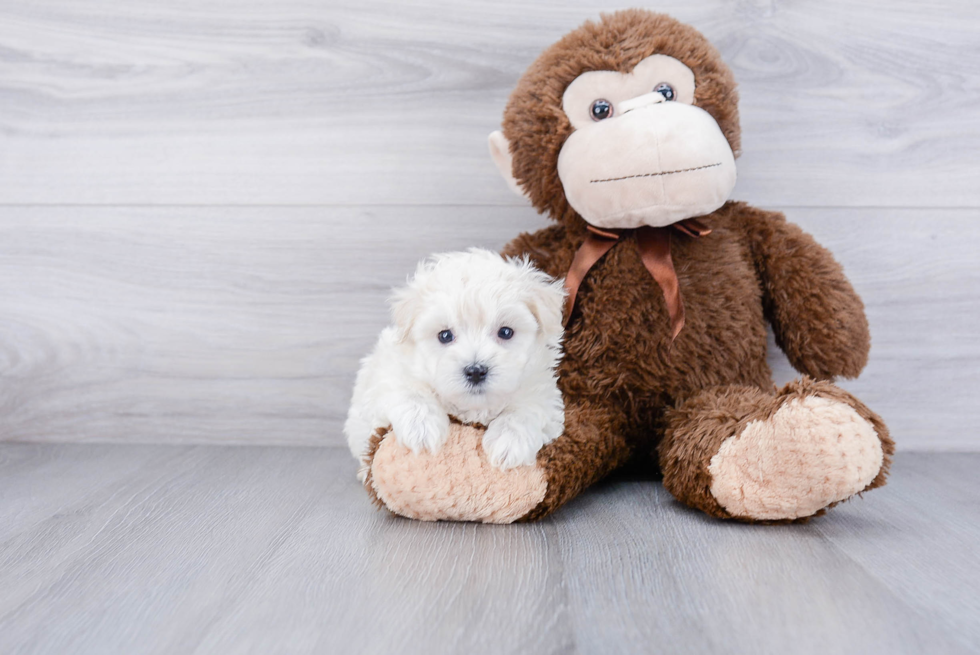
(385, 102)
(400, 586)
(245, 325)
(260, 549)
(232, 325)
(658, 576)
(932, 506)
(38, 481)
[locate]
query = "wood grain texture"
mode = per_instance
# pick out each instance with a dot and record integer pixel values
(230, 324)
(166, 549)
(934, 490)
(386, 102)
(245, 325)
(670, 579)
(342, 141)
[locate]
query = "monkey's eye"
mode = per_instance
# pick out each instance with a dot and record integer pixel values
(601, 109)
(666, 90)
(446, 336)
(505, 333)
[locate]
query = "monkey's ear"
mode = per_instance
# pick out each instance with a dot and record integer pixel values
(500, 153)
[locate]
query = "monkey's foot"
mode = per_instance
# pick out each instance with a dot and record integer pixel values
(457, 483)
(738, 452)
(810, 453)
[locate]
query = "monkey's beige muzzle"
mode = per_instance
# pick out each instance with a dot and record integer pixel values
(655, 163)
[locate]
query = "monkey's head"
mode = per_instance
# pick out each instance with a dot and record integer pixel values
(626, 122)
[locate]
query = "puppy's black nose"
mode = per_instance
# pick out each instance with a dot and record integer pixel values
(475, 373)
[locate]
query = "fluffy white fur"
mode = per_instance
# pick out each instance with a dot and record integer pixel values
(413, 382)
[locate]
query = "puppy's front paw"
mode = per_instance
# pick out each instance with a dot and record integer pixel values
(509, 442)
(419, 427)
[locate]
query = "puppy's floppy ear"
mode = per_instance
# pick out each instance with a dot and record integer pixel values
(408, 302)
(546, 300)
(405, 308)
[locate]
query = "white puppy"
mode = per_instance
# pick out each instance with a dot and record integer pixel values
(477, 337)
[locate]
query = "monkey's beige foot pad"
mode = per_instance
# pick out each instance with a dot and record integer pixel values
(812, 452)
(455, 484)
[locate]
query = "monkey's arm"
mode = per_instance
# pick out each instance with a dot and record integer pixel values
(816, 315)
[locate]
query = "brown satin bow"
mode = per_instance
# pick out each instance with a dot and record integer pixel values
(654, 246)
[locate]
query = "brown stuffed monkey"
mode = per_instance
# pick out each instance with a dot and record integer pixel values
(625, 133)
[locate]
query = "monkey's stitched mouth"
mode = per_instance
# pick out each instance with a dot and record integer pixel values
(680, 170)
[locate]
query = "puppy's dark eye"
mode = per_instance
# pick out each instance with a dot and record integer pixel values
(666, 90)
(601, 109)
(446, 336)
(505, 333)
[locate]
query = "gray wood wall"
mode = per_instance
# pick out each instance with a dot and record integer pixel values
(202, 205)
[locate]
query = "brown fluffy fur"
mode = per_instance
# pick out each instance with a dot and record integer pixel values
(373, 445)
(626, 388)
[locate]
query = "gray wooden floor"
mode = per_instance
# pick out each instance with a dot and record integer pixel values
(211, 549)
